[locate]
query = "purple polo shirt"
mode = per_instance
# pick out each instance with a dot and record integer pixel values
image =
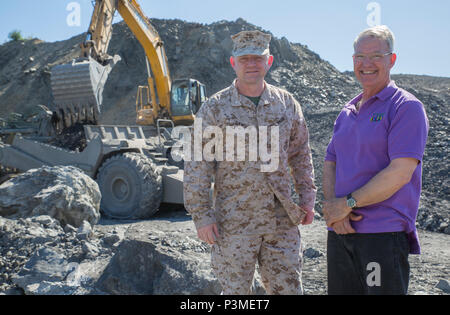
(390, 125)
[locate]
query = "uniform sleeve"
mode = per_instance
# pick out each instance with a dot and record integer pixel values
(300, 160)
(198, 175)
(408, 132)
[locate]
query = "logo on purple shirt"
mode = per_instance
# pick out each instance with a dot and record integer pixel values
(377, 117)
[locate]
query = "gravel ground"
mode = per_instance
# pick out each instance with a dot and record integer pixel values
(427, 269)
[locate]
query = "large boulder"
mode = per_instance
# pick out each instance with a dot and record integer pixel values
(156, 258)
(61, 192)
(160, 256)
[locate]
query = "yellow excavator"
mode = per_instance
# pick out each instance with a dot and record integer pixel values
(78, 87)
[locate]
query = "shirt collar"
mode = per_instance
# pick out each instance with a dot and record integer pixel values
(383, 95)
(236, 98)
(388, 91)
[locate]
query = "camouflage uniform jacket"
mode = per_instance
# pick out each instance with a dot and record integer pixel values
(244, 197)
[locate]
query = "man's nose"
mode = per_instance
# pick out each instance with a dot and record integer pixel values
(252, 62)
(366, 61)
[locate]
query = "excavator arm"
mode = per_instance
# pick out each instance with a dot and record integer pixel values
(100, 32)
(78, 87)
(150, 40)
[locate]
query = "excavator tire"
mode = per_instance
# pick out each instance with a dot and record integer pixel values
(131, 187)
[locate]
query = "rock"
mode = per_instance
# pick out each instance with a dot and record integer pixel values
(169, 259)
(84, 232)
(312, 253)
(37, 257)
(447, 230)
(42, 235)
(62, 192)
(443, 226)
(44, 220)
(156, 264)
(444, 286)
(31, 70)
(45, 266)
(70, 229)
(90, 250)
(110, 239)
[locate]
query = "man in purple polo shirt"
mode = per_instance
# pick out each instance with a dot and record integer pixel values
(372, 177)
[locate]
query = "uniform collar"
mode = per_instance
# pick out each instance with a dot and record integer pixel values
(239, 100)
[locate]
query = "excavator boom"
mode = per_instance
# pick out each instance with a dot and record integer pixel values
(78, 87)
(155, 52)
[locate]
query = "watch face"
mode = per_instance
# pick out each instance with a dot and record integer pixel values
(351, 203)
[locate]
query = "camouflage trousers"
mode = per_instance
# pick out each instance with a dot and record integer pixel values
(279, 258)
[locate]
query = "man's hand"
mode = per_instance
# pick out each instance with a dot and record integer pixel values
(335, 210)
(309, 218)
(208, 233)
(344, 227)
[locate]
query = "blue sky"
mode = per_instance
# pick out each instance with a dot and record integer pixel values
(328, 27)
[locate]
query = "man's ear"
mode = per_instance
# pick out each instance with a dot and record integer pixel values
(270, 61)
(232, 62)
(393, 59)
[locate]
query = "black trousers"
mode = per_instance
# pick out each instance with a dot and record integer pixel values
(368, 264)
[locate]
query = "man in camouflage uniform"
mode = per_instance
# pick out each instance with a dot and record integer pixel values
(252, 217)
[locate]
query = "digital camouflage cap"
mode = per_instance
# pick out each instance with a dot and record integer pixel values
(251, 43)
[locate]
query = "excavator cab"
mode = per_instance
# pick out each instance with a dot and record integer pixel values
(144, 108)
(187, 96)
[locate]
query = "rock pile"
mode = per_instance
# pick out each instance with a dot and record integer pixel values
(46, 218)
(38, 256)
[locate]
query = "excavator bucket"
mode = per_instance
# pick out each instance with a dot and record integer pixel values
(78, 88)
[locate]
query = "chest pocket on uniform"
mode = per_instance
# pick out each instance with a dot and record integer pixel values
(239, 117)
(272, 119)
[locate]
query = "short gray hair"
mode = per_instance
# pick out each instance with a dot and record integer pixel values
(381, 32)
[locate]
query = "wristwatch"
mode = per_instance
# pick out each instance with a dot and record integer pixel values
(351, 202)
